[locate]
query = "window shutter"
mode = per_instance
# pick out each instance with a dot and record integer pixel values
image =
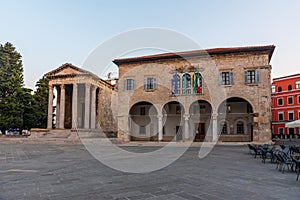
(220, 79)
(145, 83)
(132, 84)
(246, 76)
(257, 74)
(154, 83)
(125, 81)
(231, 78)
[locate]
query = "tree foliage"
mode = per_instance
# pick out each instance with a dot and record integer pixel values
(41, 98)
(11, 82)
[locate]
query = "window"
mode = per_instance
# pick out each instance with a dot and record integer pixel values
(297, 85)
(186, 83)
(175, 84)
(291, 131)
(252, 76)
(142, 110)
(299, 115)
(197, 83)
(279, 102)
(142, 130)
(224, 128)
(273, 89)
(281, 131)
(290, 100)
(280, 116)
(240, 127)
(150, 83)
(291, 115)
(226, 78)
(129, 84)
(279, 89)
(290, 87)
(298, 99)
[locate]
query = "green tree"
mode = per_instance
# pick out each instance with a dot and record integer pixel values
(41, 98)
(11, 82)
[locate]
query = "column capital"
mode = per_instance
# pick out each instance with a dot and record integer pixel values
(186, 117)
(159, 116)
(215, 115)
(50, 86)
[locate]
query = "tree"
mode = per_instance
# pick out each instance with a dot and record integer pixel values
(41, 98)
(11, 82)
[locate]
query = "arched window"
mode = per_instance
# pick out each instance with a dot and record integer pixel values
(224, 128)
(197, 83)
(279, 89)
(186, 83)
(240, 127)
(289, 87)
(175, 84)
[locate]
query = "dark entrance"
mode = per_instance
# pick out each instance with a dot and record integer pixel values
(178, 133)
(200, 132)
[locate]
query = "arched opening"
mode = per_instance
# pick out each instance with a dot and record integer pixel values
(200, 123)
(175, 84)
(173, 121)
(186, 83)
(143, 122)
(290, 87)
(279, 89)
(238, 115)
(197, 83)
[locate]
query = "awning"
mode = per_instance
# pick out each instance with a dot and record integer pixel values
(293, 124)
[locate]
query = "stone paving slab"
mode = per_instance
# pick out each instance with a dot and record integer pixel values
(48, 171)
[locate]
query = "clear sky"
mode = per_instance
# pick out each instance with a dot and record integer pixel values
(50, 33)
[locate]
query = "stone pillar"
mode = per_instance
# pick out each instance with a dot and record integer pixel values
(50, 107)
(74, 105)
(215, 127)
(93, 108)
(62, 107)
(87, 106)
(160, 127)
(186, 127)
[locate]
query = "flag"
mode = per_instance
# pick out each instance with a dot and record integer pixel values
(198, 83)
(184, 83)
(195, 83)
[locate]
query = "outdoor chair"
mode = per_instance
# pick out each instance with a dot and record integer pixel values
(297, 168)
(285, 161)
(282, 146)
(268, 154)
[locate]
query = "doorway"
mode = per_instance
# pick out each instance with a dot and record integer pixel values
(199, 132)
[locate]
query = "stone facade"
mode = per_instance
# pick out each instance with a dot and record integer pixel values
(79, 101)
(159, 99)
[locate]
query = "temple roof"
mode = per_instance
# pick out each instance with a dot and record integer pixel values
(269, 49)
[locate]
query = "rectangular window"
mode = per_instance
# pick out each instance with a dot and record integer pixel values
(252, 76)
(298, 99)
(280, 116)
(142, 130)
(291, 115)
(281, 130)
(149, 83)
(226, 78)
(297, 85)
(142, 110)
(129, 84)
(291, 131)
(273, 89)
(299, 115)
(290, 100)
(279, 102)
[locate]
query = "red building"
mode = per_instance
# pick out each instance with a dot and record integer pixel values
(285, 105)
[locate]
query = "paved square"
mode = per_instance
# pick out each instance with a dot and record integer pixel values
(47, 171)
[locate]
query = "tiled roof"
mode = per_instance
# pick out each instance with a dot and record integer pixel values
(215, 51)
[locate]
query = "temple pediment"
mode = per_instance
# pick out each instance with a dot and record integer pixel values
(68, 70)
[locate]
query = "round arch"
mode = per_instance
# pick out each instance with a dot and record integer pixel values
(200, 114)
(238, 112)
(173, 112)
(143, 123)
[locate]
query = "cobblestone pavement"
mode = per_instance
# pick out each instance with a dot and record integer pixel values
(47, 171)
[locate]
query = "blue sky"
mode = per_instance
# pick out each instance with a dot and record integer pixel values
(50, 33)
